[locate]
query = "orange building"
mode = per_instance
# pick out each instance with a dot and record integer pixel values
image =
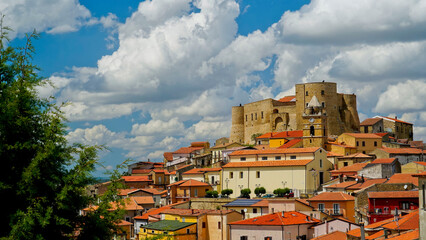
(335, 204)
(185, 189)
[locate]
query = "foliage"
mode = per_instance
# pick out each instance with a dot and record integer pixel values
(43, 179)
(254, 136)
(226, 192)
(259, 191)
(280, 192)
(245, 192)
(212, 194)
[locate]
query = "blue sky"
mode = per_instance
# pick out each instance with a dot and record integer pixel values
(152, 76)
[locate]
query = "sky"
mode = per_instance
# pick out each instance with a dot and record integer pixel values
(147, 77)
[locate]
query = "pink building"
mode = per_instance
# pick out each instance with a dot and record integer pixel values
(280, 225)
(337, 224)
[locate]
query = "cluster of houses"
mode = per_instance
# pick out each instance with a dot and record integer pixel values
(368, 185)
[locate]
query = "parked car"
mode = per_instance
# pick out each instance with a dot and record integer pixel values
(269, 195)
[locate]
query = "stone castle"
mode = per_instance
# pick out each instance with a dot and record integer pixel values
(334, 113)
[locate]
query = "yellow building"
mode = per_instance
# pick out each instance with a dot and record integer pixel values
(363, 142)
(169, 229)
(300, 169)
(349, 160)
(413, 167)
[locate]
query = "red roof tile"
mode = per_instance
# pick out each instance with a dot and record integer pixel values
(277, 163)
(168, 156)
(366, 183)
(357, 155)
(276, 151)
(291, 143)
(136, 178)
(383, 161)
(394, 194)
(332, 196)
(407, 235)
(352, 168)
(186, 212)
(393, 119)
(343, 184)
(277, 219)
(407, 222)
(193, 183)
(422, 174)
(401, 150)
(370, 121)
(363, 135)
(403, 178)
(285, 134)
(187, 150)
(336, 235)
(202, 170)
(287, 99)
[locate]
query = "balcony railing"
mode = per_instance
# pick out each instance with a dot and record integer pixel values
(332, 211)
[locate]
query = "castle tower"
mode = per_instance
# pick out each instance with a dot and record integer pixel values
(237, 128)
(314, 123)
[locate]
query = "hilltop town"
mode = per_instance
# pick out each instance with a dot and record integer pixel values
(300, 167)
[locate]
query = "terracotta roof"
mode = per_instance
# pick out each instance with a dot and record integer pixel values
(141, 171)
(422, 174)
(383, 161)
(288, 134)
(381, 134)
(124, 223)
(126, 191)
(199, 144)
(220, 212)
(370, 121)
(276, 151)
(186, 150)
(332, 196)
(336, 235)
(407, 222)
(403, 178)
(193, 183)
(394, 194)
(407, 235)
(224, 145)
(357, 155)
(272, 163)
(186, 212)
(343, 184)
(136, 178)
(143, 200)
(341, 145)
(287, 99)
(421, 163)
(352, 168)
(263, 203)
(366, 183)
(363, 135)
(333, 154)
(202, 170)
(376, 235)
(393, 119)
(277, 219)
(153, 191)
(291, 143)
(402, 150)
(168, 156)
(155, 211)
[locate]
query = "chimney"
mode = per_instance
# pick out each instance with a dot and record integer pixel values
(386, 233)
(340, 178)
(396, 117)
(283, 213)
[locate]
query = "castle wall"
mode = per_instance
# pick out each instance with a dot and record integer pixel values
(237, 128)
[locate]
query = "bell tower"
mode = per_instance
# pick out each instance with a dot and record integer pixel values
(314, 119)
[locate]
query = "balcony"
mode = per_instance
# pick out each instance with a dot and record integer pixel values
(332, 211)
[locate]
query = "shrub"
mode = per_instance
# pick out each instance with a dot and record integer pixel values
(212, 194)
(259, 191)
(227, 192)
(245, 192)
(280, 192)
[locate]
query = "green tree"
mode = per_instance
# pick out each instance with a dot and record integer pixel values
(43, 179)
(280, 192)
(226, 192)
(245, 193)
(259, 191)
(212, 194)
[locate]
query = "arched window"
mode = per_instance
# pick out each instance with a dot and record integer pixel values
(275, 111)
(312, 130)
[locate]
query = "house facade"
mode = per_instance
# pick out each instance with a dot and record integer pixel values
(382, 205)
(337, 204)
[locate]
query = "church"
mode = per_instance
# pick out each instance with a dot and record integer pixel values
(317, 109)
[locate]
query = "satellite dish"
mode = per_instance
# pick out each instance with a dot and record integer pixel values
(356, 179)
(245, 209)
(405, 186)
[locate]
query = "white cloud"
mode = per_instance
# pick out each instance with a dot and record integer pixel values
(154, 127)
(44, 15)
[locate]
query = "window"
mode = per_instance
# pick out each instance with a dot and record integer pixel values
(187, 231)
(241, 174)
(322, 92)
(273, 210)
(277, 157)
(307, 94)
(246, 117)
(320, 163)
(204, 224)
(144, 230)
(261, 113)
(183, 219)
(254, 210)
(259, 142)
(231, 174)
(127, 219)
(152, 231)
(321, 207)
(218, 225)
(165, 233)
(424, 196)
(386, 210)
(268, 238)
(365, 129)
(243, 238)
(375, 143)
(363, 143)
(196, 192)
(293, 157)
(323, 104)
(159, 180)
(336, 208)
(345, 164)
(252, 116)
(264, 158)
(405, 205)
(312, 131)
(257, 174)
(255, 116)
(242, 158)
